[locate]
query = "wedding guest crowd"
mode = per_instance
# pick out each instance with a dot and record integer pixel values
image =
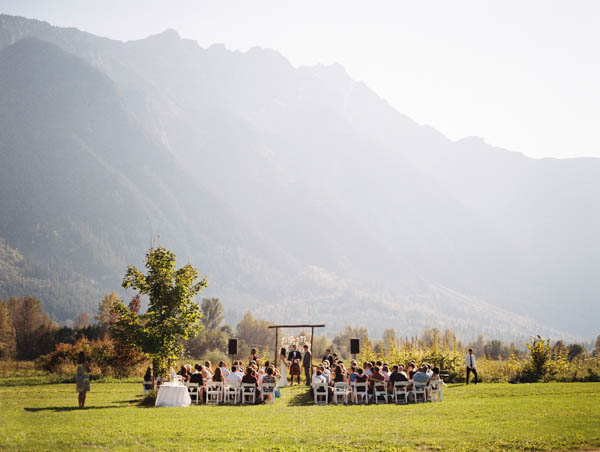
(238, 373)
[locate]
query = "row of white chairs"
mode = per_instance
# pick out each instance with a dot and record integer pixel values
(359, 393)
(244, 393)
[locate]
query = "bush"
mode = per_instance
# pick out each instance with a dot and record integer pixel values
(103, 355)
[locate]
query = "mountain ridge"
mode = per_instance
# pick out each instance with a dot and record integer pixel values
(306, 148)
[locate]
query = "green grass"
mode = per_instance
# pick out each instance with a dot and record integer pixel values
(550, 416)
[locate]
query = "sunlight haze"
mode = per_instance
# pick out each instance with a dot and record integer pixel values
(521, 75)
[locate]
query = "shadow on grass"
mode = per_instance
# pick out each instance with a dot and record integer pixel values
(71, 408)
(301, 399)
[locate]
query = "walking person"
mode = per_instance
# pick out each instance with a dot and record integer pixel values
(470, 362)
(307, 364)
(82, 380)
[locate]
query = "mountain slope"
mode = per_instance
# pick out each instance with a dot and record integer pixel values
(315, 179)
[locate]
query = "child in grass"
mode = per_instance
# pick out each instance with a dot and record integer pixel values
(82, 380)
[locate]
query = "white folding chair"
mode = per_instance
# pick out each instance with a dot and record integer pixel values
(248, 393)
(266, 390)
(214, 392)
(194, 391)
(360, 392)
(435, 391)
(231, 393)
(340, 389)
(400, 394)
(321, 393)
(419, 389)
(380, 391)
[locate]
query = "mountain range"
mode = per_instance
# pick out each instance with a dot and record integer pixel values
(300, 193)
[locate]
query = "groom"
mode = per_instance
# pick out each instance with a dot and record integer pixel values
(307, 364)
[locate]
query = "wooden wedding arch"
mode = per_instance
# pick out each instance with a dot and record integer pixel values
(277, 327)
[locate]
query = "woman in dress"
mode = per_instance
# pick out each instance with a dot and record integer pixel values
(254, 357)
(82, 380)
(284, 369)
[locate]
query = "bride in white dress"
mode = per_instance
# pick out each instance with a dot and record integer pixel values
(283, 369)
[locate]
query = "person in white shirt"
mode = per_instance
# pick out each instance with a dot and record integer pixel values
(470, 363)
(318, 378)
(224, 371)
(385, 371)
(234, 378)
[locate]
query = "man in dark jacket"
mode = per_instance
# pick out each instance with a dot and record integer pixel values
(307, 364)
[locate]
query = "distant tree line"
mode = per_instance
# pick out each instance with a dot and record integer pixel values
(27, 332)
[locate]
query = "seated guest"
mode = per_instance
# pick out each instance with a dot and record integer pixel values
(196, 376)
(218, 376)
(184, 375)
(395, 376)
(207, 371)
(368, 369)
(224, 369)
(240, 370)
(317, 378)
(250, 378)
(338, 375)
(421, 376)
(385, 371)
(429, 371)
(335, 359)
(148, 384)
(401, 370)
(375, 377)
(410, 370)
(325, 371)
(361, 377)
(234, 378)
(352, 375)
(268, 377)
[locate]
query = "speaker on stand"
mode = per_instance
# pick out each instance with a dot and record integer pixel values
(354, 347)
(232, 348)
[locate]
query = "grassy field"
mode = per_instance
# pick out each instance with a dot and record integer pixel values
(551, 416)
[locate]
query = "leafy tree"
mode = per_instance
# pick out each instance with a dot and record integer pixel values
(106, 316)
(495, 348)
(558, 347)
(8, 338)
(82, 321)
(212, 313)
(597, 347)
(172, 314)
(540, 354)
(574, 350)
(390, 338)
(430, 336)
(255, 332)
(206, 341)
(342, 340)
(32, 326)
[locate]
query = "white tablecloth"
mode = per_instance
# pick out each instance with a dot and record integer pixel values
(173, 395)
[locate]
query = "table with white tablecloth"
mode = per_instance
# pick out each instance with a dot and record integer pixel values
(173, 395)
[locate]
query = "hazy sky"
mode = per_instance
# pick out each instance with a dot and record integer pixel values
(524, 75)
